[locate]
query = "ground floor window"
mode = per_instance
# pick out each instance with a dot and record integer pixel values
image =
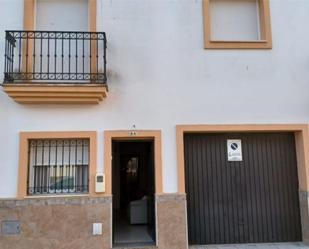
(58, 166)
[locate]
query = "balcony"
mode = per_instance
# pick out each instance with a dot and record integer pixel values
(55, 67)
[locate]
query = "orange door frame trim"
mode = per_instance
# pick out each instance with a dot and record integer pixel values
(109, 136)
(24, 138)
(301, 142)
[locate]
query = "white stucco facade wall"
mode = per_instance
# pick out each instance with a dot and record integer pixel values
(159, 75)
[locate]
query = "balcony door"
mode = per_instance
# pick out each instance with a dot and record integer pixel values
(62, 15)
(67, 52)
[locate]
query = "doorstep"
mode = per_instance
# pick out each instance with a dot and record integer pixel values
(135, 247)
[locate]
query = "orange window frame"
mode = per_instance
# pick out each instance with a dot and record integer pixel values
(265, 29)
(24, 148)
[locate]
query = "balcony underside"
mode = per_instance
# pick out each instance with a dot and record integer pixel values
(56, 93)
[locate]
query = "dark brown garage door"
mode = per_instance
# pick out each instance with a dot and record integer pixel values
(251, 201)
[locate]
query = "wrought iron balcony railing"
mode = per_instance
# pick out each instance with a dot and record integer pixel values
(55, 57)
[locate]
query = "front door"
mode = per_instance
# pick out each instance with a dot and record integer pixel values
(133, 193)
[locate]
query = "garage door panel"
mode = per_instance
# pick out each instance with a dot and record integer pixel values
(255, 200)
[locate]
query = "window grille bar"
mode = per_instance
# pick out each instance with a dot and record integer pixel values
(90, 57)
(76, 57)
(48, 54)
(55, 168)
(41, 55)
(55, 56)
(70, 185)
(83, 55)
(97, 58)
(19, 55)
(81, 173)
(49, 154)
(42, 169)
(11, 57)
(27, 52)
(35, 166)
(62, 54)
(6, 59)
(69, 56)
(104, 56)
(33, 55)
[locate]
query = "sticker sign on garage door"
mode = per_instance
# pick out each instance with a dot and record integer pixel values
(234, 150)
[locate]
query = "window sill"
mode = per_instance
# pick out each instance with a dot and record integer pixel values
(56, 196)
(252, 44)
(42, 93)
(94, 195)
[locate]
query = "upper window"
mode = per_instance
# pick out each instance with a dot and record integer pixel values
(239, 24)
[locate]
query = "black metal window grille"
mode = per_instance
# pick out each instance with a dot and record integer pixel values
(58, 166)
(45, 56)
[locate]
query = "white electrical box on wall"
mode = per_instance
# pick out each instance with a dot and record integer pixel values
(97, 228)
(100, 183)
